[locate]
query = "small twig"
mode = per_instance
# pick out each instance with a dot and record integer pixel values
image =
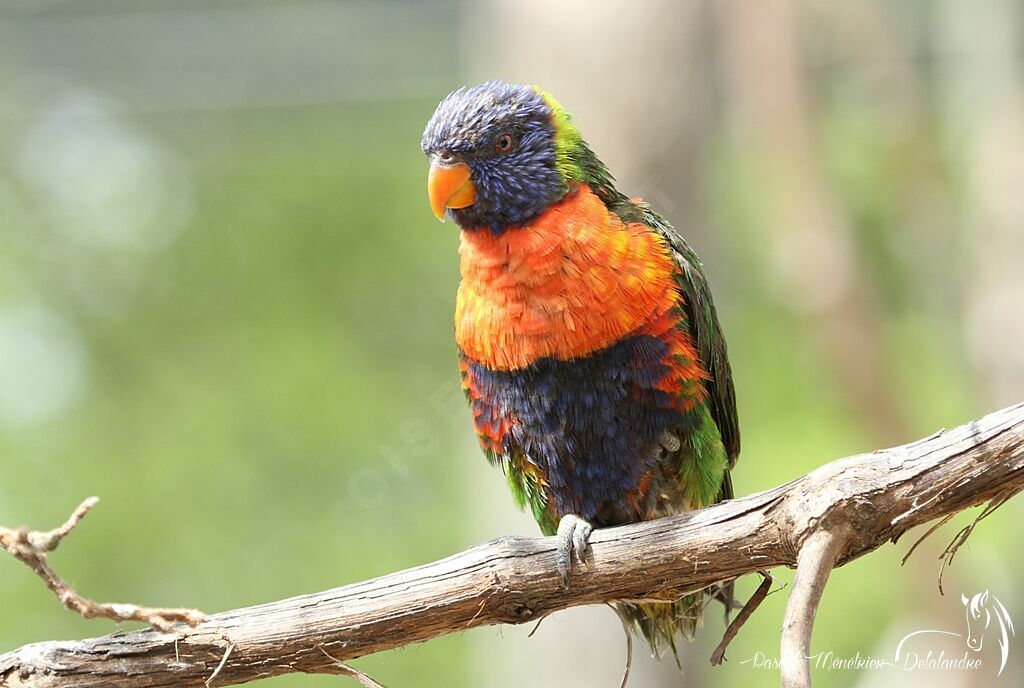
(965, 532)
(752, 604)
(31, 548)
(629, 646)
(48, 541)
(346, 670)
(816, 559)
(946, 519)
(483, 603)
(223, 661)
(536, 626)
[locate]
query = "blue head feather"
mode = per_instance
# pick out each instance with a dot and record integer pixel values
(513, 187)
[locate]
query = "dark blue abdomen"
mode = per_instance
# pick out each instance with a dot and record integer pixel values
(592, 425)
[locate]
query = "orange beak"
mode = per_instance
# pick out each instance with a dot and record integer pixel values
(449, 186)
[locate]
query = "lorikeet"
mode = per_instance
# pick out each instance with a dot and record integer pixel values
(589, 346)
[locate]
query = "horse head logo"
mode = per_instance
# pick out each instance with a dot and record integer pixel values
(981, 610)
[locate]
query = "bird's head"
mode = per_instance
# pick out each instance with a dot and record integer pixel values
(500, 154)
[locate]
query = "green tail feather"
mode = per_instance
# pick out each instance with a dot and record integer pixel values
(705, 479)
(664, 625)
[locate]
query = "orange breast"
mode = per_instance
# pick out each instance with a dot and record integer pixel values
(572, 282)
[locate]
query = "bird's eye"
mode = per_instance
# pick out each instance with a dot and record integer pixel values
(504, 143)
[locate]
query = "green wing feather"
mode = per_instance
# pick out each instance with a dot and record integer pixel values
(699, 307)
(661, 624)
(579, 162)
(706, 331)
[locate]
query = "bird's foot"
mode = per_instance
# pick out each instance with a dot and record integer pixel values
(573, 537)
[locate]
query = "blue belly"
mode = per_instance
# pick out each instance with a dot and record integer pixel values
(591, 425)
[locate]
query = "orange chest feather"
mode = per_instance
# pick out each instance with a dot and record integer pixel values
(574, 281)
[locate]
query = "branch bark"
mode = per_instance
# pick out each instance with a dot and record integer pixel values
(827, 518)
(814, 563)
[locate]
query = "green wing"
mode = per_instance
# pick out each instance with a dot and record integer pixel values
(700, 309)
(703, 320)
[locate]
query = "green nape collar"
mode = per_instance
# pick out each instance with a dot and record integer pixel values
(567, 139)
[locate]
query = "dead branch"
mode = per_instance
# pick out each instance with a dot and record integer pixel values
(827, 518)
(718, 656)
(814, 562)
(31, 548)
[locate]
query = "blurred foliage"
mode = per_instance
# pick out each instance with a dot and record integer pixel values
(254, 413)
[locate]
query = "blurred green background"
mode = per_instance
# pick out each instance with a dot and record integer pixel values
(226, 309)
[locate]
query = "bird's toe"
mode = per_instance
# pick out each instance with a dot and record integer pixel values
(573, 538)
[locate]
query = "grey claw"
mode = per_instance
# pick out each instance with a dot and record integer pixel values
(581, 539)
(573, 537)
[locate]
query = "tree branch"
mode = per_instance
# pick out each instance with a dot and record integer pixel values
(31, 548)
(816, 559)
(824, 519)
